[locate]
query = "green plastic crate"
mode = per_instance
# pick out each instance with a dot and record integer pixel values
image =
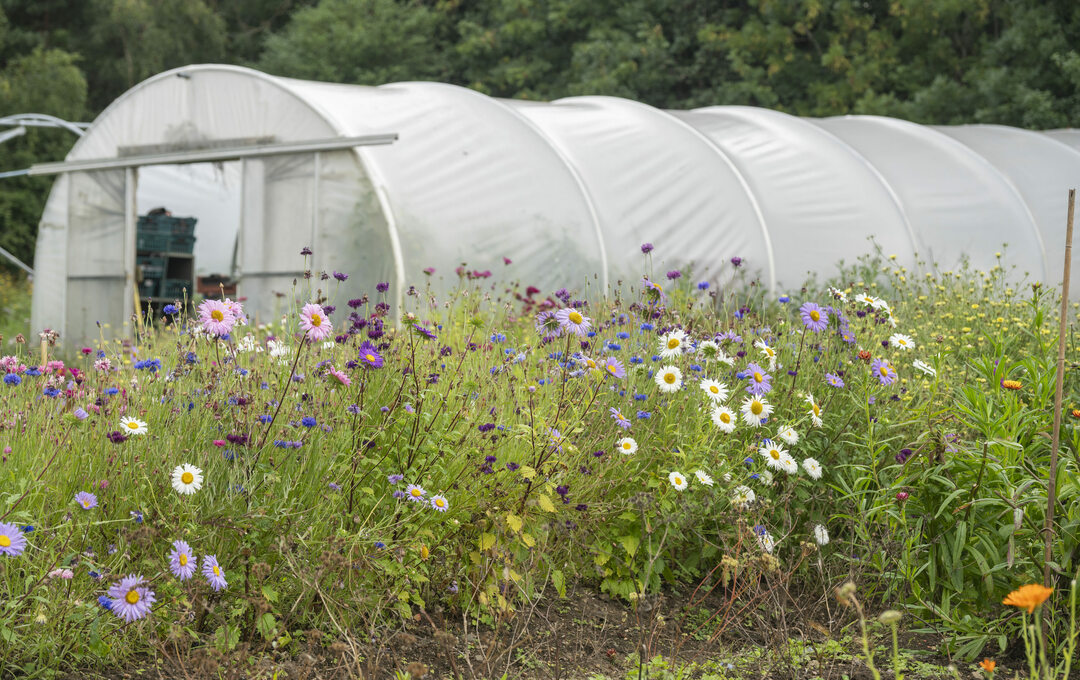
(174, 288)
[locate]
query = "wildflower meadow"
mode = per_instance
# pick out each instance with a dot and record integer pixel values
(316, 484)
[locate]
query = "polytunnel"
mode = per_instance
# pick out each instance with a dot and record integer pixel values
(384, 183)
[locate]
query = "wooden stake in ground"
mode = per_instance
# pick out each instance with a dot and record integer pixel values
(1051, 490)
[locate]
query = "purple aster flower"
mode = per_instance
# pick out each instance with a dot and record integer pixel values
(395, 479)
(620, 419)
(369, 356)
(614, 368)
(760, 381)
(883, 371)
(182, 562)
(130, 599)
(382, 286)
(12, 540)
(81, 414)
(674, 274)
(86, 500)
(736, 261)
(415, 493)
(340, 277)
(547, 324)
(425, 331)
(213, 572)
(398, 494)
(573, 321)
(834, 380)
(646, 248)
(814, 317)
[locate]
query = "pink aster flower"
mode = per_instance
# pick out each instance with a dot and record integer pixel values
(340, 376)
(314, 323)
(215, 317)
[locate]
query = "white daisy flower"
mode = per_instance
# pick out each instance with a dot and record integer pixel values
(901, 341)
(767, 352)
(863, 298)
(669, 379)
(821, 534)
(925, 368)
(704, 478)
(773, 454)
(673, 344)
(716, 390)
(765, 540)
(789, 435)
(626, 445)
(709, 349)
(815, 410)
(677, 481)
(813, 468)
(789, 464)
(723, 418)
(881, 305)
(838, 294)
(755, 410)
(766, 478)
(723, 358)
(187, 479)
(132, 426)
(743, 497)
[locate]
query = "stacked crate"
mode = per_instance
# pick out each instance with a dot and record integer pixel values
(164, 246)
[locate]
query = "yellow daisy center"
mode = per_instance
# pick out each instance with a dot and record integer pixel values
(369, 357)
(626, 445)
(769, 351)
(440, 502)
(669, 378)
(883, 369)
(133, 425)
(132, 597)
(774, 454)
(757, 377)
(182, 560)
(815, 315)
(217, 571)
(816, 409)
(714, 389)
(415, 493)
(673, 343)
(725, 418)
(187, 478)
(575, 317)
(756, 408)
(5, 541)
(86, 504)
(679, 480)
(611, 368)
(216, 315)
(590, 363)
(316, 320)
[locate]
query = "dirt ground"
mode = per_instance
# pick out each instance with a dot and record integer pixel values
(582, 636)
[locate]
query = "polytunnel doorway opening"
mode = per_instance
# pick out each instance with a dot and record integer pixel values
(187, 225)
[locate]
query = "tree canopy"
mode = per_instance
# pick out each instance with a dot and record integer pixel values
(1012, 62)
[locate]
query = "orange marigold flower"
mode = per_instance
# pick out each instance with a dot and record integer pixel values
(1028, 597)
(1076, 413)
(1011, 384)
(988, 665)
(864, 355)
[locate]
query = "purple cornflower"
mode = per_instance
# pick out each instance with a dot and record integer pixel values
(395, 479)
(736, 261)
(12, 541)
(573, 321)
(181, 562)
(903, 455)
(614, 368)
(814, 317)
(382, 286)
(646, 248)
(834, 380)
(760, 381)
(674, 274)
(620, 419)
(130, 599)
(117, 437)
(883, 371)
(86, 500)
(213, 572)
(369, 356)
(340, 277)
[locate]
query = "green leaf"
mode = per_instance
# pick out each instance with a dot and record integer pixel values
(267, 626)
(270, 594)
(559, 581)
(486, 541)
(513, 521)
(630, 544)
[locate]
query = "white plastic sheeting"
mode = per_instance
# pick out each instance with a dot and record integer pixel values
(568, 190)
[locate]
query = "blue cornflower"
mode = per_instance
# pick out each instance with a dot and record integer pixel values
(51, 392)
(105, 602)
(137, 516)
(111, 391)
(170, 310)
(379, 545)
(12, 379)
(622, 335)
(646, 326)
(33, 371)
(704, 285)
(308, 421)
(636, 360)
(498, 337)
(640, 397)
(644, 415)
(265, 420)
(784, 299)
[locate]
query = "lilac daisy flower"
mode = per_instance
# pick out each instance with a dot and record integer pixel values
(814, 317)
(130, 599)
(834, 380)
(760, 381)
(415, 493)
(213, 572)
(620, 419)
(615, 368)
(12, 540)
(883, 371)
(573, 321)
(440, 503)
(547, 324)
(86, 500)
(181, 562)
(369, 356)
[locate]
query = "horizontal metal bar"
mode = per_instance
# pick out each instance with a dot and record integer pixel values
(12, 133)
(15, 173)
(96, 277)
(212, 155)
(17, 262)
(258, 275)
